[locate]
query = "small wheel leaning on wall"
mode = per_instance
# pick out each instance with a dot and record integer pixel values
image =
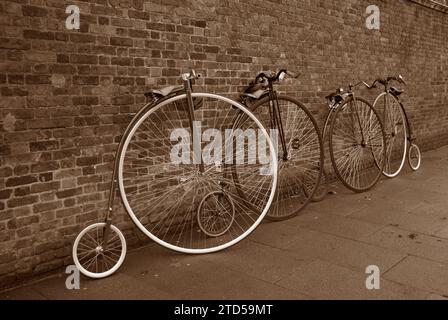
(216, 213)
(414, 157)
(92, 257)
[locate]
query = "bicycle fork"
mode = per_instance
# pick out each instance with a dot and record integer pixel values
(110, 203)
(196, 136)
(276, 122)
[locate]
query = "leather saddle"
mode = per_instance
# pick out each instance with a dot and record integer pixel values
(255, 91)
(164, 92)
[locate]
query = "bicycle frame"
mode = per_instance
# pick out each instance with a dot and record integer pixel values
(276, 120)
(187, 83)
(333, 107)
(409, 130)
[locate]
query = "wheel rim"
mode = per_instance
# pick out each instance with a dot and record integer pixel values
(357, 145)
(166, 210)
(216, 214)
(415, 157)
(300, 168)
(92, 257)
(394, 123)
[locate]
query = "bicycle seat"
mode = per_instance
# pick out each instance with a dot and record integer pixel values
(164, 91)
(334, 97)
(255, 90)
(395, 91)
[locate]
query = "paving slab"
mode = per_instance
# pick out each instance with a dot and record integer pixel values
(337, 225)
(392, 215)
(345, 252)
(328, 281)
(421, 273)
(258, 261)
(417, 244)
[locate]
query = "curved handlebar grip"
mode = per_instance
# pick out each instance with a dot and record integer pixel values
(191, 75)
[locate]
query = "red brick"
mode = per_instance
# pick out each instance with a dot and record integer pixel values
(85, 80)
(44, 166)
(15, 91)
(5, 172)
(43, 145)
(22, 201)
(18, 44)
(68, 193)
(19, 181)
(88, 161)
(22, 191)
(50, 123)
(44, 187)
(118, 41)
(47, 206)
(5, 194)
(34, 34)
(123, 61)
(33, 11)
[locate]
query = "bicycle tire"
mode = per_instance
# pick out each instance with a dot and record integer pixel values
(414, 149)
(299, 175)
(348, 168)
(168, 216)
(83, 250)
(394, 122)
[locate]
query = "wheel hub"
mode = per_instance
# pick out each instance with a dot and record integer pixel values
(296, 144)
(99, 249)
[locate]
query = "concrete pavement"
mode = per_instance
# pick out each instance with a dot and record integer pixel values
(401, 226)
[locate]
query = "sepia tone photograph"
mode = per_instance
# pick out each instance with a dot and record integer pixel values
(206, 150)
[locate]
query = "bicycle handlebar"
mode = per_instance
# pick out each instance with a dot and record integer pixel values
(385, 81)
(192, 75)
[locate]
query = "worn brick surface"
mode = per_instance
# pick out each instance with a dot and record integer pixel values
(66, 94)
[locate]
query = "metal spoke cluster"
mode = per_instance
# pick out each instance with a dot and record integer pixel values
(357, 145)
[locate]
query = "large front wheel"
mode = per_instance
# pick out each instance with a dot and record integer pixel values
(394, 122)
(297, 139)
(175, 158)
(357, 145)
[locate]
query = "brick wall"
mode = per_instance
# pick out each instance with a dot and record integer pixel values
(67, 95)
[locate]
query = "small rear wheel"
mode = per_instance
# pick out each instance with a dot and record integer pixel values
(216, 213)
(414, 157)
(92, 257)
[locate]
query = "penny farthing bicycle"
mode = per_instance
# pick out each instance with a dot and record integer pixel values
(356, 142)
(194, 175)
(399, 134)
